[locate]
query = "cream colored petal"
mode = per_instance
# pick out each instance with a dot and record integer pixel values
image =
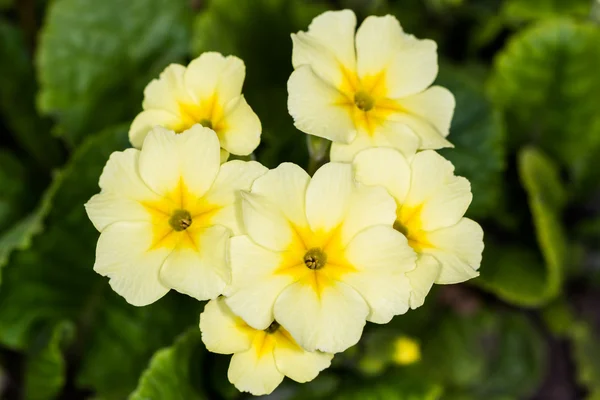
(309, 52)
(458, 249)
(441, 196)
(168, 91)
(224, 156)
(191, 157)
(369, 206)
(422, 278)
(429, 115)
(148, 120)
(316, 107)
(330, 321)
(409, 64)
(254, 372)
(328, 196)
(213, 74)
(381, 257)
(201, 272)
(286, 186)
(224, 194)
(295, 362)
(390, 133)
(335, 30)
(241, 132)
(383, 167)
(255, 285)
(222, 331)
(123, 255)
(106, 208)
(265, 222)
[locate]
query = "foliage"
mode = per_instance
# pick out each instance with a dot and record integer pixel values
(527, 135)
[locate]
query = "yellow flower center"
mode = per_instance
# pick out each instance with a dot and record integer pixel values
(273, 327)
(207, 113)
(180, 220)
(409, 223)
(363, 100)
(172, 218)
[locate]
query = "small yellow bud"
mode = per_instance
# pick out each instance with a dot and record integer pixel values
(406, 351)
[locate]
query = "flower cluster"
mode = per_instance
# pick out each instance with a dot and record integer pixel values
(293, 265)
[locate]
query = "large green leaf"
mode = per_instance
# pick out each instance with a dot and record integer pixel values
(547, 83)
(173, 370)
(393, 385)
(53, 281)
(517, 273)
(478, 136)
(46, 367)
(17, 99)
(258, 31)
(13, 189)
(94, 58)
(516, 11)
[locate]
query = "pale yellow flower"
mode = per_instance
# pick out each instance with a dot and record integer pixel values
(166, 214)
(430, 204)
(369, 90)
(207, 92)
(261, 358)
(406, 351)
(320, 256)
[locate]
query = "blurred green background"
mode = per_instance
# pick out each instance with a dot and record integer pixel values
(526, 76)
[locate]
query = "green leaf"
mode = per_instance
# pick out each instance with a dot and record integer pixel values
(491, 354)
(94, 58)
(478, 135)
(546, 82)
(53, 281)
(17, 99)
(394, 385)
(14, 189)
(517, 11)
(172, 371)
(258, 31)
(516, 273)
(586, 354)
(45, 372)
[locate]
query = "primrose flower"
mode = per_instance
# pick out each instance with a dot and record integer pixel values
(320, 257)
(207, 92)
(431, 202)
(166, 214)
(368, 91)
(261, 358)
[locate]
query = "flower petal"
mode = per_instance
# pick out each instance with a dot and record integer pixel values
(200, 272)
(383, 167)
(429, 115)
(242, 128)
(254, 372)
(265, 222)
(147, 120)
(422, 278)
(331, 320)
(458, 249)
(442, 197)
(389, 134)
(286, 186)
(316, 109)
(224, 194)
(222, 331)
(409, 64)
(328, 44)
(295, 362)
(213, 74)
(122, 192)
(381, 257)
(123, 254)
(191, 157)
(255, 285)
(168, 91)
(328, 196)
(369, 206)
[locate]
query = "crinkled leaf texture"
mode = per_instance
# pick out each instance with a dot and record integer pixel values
(546, 82)
(53, 281)
(172, 371)
(95, 57)
(516, 273)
